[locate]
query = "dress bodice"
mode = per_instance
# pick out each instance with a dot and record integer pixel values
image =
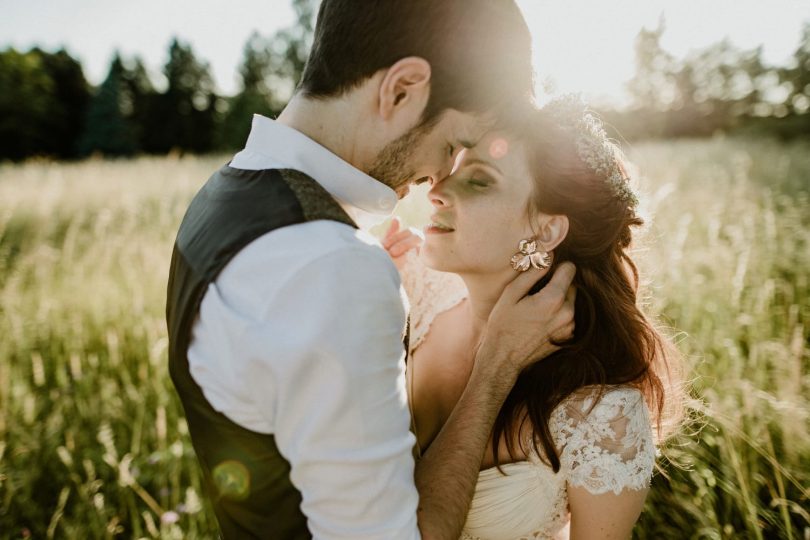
(605, 446)
(429, 294)
(604, 440)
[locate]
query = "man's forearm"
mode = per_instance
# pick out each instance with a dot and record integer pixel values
(447, 474)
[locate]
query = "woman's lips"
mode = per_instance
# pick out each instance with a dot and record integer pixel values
(435, 228)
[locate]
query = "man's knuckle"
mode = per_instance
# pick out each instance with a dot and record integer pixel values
(556, 298)
(568, 312)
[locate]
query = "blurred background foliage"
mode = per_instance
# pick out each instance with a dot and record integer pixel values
(93, 443)
(719, 89)
(47, 108)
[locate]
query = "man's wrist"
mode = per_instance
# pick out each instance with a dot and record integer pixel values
(496, 366)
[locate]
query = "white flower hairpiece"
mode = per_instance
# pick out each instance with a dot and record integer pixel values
(593, 146)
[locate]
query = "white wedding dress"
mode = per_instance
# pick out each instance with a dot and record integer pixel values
(603, 448)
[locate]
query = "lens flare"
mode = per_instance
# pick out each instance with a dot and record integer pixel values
(232, 480)
(498, 148)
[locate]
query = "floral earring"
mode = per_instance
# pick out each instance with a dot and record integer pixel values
(529, 256)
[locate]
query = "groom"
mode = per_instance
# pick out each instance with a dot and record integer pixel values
(286, 321)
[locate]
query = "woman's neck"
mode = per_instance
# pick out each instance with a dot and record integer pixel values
(484, 292)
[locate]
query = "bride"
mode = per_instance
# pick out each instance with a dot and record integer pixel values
(573, 449)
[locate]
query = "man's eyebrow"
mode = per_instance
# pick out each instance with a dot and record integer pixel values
(468, 142)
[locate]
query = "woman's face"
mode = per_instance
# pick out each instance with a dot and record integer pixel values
(480, 210)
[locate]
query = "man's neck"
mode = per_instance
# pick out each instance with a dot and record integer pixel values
(331, 123)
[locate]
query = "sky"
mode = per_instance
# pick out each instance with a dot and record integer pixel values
(582, 45)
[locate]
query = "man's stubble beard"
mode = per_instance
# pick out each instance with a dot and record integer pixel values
(393, 165)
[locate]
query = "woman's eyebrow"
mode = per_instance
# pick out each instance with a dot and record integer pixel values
(477, 161)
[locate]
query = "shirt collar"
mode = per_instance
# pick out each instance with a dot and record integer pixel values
(365, 199)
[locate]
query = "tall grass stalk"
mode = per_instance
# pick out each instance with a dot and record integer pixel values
(92, 439)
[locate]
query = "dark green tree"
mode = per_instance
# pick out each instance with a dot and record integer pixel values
(271, 69)
(108, 128)
(184, 116)
(71, 97)
(43, 99)
(138, 95)
(26, 93)
(291, 46)
(255, 96)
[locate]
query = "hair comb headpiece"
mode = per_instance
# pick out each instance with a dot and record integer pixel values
(571, 113)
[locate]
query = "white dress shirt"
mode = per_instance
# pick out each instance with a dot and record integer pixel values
(300, 336)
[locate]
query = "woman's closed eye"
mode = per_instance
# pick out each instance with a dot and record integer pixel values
(476, 177)
(478, 182)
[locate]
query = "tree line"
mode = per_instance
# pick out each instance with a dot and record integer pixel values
(720, 88)
(47, 107)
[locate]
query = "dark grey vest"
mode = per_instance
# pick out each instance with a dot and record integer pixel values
(245, 476)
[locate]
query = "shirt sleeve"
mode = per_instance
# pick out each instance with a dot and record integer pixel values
(338, 402)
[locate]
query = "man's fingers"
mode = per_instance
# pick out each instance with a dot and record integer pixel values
(563, 333)
(555, 293)
(550, 348)
(393, 228)
(401, 248)
(562, 278)
(565, 314)
(389, 241)
(570, 302)
(571, 295)
(522, 284)
(559, 284)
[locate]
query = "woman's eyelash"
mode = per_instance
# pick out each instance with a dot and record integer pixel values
(451, 148)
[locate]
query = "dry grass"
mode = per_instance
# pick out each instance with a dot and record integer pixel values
(92, 440)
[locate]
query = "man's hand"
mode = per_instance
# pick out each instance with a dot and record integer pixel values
(399, 242)
(521, 328)
(519, 332)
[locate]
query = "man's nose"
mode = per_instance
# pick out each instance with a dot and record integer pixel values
(456, 161)
(450, 165)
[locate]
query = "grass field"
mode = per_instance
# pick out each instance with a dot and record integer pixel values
(92, 440)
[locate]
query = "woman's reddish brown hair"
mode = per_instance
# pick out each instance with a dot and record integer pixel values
(614, 341)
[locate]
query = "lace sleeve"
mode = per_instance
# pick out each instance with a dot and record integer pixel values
(429, 293)
(607, 447)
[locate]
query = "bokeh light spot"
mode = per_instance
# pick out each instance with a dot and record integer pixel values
(498, 148)
(232, 480)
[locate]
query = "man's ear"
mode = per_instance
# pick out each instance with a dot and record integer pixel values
(405, 87)
(553, 230)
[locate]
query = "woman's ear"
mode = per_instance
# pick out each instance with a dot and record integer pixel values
(553, 230)
(405, 88)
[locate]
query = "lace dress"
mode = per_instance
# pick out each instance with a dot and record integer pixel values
(604, 447)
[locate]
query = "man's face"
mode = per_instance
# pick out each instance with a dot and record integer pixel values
(428, 152)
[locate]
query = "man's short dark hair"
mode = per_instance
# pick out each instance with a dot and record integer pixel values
(479, 50)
